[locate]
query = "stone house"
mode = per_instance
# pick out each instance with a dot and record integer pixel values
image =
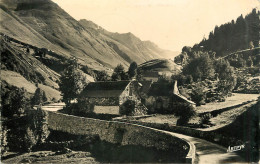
(108, 97)
(164, 96)
(151, 76)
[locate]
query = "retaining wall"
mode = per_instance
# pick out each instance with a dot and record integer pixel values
(121, 133)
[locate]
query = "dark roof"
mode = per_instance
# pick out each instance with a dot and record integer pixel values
(166, 89)
(161, 89)
(151, 74)
(184, 98)
(146, 85)
(105, 89)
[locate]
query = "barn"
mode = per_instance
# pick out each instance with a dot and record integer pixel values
(108, 97)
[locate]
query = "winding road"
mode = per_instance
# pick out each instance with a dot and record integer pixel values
(207, 152)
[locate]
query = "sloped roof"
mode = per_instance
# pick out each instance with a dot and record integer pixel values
(185, 99)
(105, 89)
(166, 89)
(160, 89)
(145, 86)
(151, 74)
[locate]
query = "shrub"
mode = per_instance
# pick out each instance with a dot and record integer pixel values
(205, 119)
(127, 107)
(185, 111)
(198, 96)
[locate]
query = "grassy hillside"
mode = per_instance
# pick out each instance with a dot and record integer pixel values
(163, 66)
(51, 94)
(17, 80)
(15, 58)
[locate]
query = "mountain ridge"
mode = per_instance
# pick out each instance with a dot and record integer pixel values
(44, 24)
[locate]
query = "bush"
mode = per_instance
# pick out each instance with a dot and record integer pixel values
(127, 107)
(205, 119)
(185, 111)
(197, 95)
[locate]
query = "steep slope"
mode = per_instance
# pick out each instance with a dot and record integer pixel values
(44, 24)
(162, 66)
(15, 58)
(130, 43)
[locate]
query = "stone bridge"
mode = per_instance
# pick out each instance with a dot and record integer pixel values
(123, 134)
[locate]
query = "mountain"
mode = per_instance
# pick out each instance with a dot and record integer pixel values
(43, 23)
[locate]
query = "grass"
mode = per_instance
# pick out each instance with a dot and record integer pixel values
(17, 80)
(220, 120)
(236, 99)
(51, 157)
(161, 119)
(228, 117)
(50, 93)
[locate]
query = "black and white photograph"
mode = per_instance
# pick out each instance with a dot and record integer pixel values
(130, 81)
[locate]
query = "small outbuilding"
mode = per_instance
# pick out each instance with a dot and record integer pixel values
(164, 96)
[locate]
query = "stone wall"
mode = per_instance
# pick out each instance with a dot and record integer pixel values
(119, 132)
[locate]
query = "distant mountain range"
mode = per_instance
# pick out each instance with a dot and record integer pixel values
(44, 24)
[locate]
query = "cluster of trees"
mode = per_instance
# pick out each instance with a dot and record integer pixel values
(133, 72)
(202, 66)
(22, 127)
(235, 35)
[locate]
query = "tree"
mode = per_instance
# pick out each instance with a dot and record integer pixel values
(15, 102)
(72, 82)
(39, 97)
(119, 73)
(139, 75)
(227, 77)
(132, 71)
(197, 95)
(203, 66)
(102, 76)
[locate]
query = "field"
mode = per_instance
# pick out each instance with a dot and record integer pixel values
(235, 99)
(160, 119)
(17, 80)
(52, 94)
(228, 117)
(220, 120)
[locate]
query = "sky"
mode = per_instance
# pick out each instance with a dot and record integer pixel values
(171, 24)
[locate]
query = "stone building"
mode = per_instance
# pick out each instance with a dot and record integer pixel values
(109, 97)
(163, 97)
(151, 76)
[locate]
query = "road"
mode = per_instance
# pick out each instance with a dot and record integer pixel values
(208, 152)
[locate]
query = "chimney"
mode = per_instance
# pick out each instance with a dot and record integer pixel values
(175, 88)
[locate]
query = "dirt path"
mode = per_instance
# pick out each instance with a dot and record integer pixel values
(208, 152)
